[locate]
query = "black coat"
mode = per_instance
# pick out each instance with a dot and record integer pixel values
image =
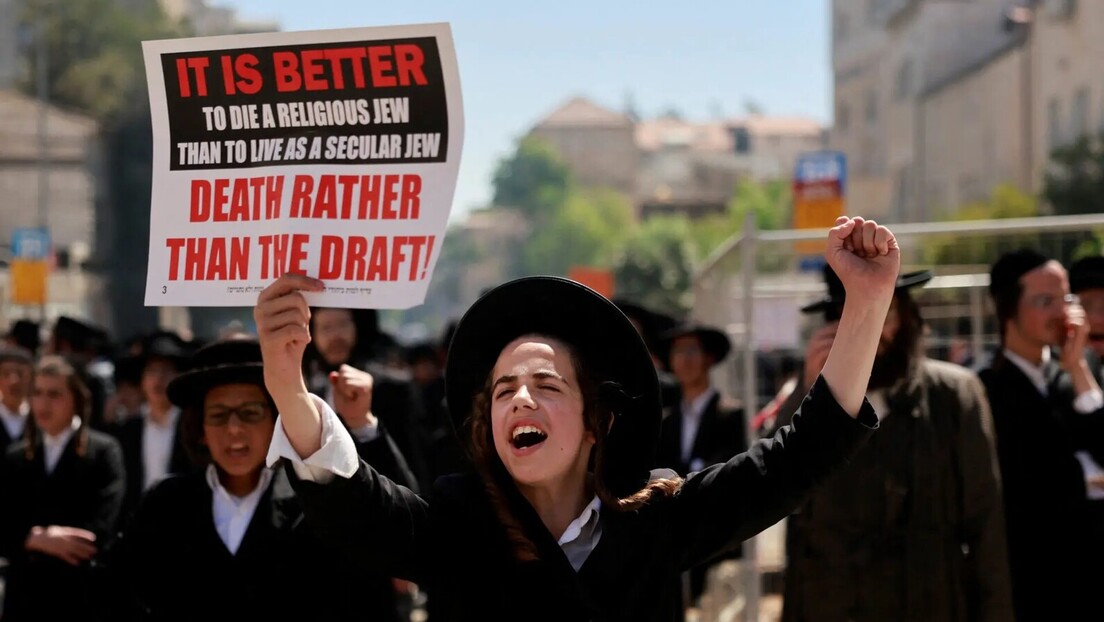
(6, 440)
(1046, 510)
(171, 564)
(455, 547)
(83, 491)
(129, 433)
(722, 433)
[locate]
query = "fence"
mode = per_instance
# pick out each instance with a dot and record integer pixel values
(754, 285)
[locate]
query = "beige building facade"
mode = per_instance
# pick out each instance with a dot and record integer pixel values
(959, 97)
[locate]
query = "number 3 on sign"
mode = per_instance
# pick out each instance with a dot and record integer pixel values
(164, 289)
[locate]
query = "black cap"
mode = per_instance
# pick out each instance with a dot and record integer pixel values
(715, 343)
(1087, 273)
(836, 292)
(230, 361)
(1004, 276)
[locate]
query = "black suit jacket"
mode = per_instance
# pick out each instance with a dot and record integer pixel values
(6, 440)
(454, 545)
(722, 433)
(129, 432)
(83, 491)
(1043, 485)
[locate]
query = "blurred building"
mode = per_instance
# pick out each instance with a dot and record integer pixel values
(205, 19)
(673, 165)
(937, 102)
(68, 209)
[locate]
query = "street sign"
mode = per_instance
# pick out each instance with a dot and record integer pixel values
(30, 265)
(819, 196)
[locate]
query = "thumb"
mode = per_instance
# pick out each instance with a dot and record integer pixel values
(334, 378)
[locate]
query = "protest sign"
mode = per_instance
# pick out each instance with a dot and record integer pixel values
(329, 153)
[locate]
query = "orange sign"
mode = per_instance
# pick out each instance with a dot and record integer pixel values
(28, 281)
(818, 195)
(597, 279)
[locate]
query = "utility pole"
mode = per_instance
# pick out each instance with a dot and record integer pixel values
(42, 85)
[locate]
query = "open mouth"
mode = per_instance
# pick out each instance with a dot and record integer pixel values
(238, 450)
(1096, 337)
(527, 436)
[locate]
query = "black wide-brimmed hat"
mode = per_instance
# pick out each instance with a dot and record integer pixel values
(597, 331)
(837, 293)
(1087, 273)
(230, 361)
(715, 343)
(653, 324)
(167, 345)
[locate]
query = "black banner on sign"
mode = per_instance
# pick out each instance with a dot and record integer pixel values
(360, 102)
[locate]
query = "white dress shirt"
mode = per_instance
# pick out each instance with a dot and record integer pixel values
(15, 421)
(232, 514)
(691, 421)
(157, 446)
(1085, 403)
(54, 446)
(338, 457)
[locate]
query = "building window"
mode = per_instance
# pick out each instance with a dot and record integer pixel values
(742, 138)
(1079, 114)
(871, 107)
(843, 117)
(1054, 123)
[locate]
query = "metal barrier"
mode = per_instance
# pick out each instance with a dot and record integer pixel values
(753, 286)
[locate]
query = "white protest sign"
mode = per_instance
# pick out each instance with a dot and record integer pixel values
(330, 153)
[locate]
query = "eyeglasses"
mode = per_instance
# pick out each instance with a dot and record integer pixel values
(1048, 301)
(248, 413)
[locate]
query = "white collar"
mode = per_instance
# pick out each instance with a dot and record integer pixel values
(170, 423)
(24, 410)
(216, 486)
(1033, 372)
(61, 439)
(588, 516)
(696, 407)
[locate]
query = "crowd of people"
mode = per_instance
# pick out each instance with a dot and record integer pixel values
(561, 456)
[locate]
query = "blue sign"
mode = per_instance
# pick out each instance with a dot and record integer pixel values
(31, 243)
(822, 166)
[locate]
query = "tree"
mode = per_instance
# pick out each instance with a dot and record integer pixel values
(533, 179)
(588, 230)
(770, 201)
(1074, 181)
(1005, 201)
(655, 268)
(94, 52)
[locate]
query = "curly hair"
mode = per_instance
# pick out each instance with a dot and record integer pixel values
(597, 414)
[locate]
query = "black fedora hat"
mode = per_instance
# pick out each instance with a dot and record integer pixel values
(165, 344)
(1087, 273)
(652, 323)
(715, 343)
(230, 361)
(597, 331)
(837, 293)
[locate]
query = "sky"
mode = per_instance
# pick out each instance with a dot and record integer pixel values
(520, 60)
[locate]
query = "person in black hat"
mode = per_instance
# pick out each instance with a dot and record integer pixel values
(24, 334)
(1087, 283)
(918, 504)
(229, 542)
(1047, 406)
(556, 395)
(62, 490)
(152, 441)
(652, 325)
(16, 373)
(704, 427)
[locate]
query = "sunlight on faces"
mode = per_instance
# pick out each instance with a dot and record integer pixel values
(15, 382)
(237, 428)
(534, 388)
(52, 404)
(334, 335)
(1041, 315)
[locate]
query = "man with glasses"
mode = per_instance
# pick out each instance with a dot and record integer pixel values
(1047, 406)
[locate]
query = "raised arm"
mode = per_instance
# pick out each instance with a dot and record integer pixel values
(725, 504)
